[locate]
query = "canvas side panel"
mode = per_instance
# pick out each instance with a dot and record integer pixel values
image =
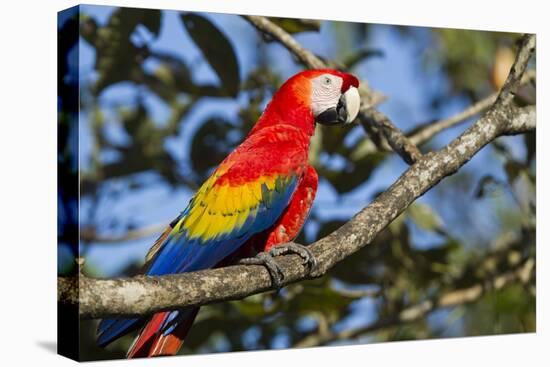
(67, 173)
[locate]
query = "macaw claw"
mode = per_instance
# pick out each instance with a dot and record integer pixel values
(267, 259)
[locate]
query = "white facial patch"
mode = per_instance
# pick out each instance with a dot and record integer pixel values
(325, 92)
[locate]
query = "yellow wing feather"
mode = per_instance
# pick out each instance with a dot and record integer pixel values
(220, 209)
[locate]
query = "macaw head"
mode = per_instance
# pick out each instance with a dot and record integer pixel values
(334, 96)
(326, 96)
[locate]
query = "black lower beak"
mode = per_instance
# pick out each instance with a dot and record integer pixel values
(334, 115)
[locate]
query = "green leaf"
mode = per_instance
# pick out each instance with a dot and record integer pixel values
(487, 185)
(251, 308)
(316, 296)
(88, 29)
(357, 166)
(118, 59)
(424, 217)
(210, 145)
(127, 19)
(513, 170)
(358, 56)
(217, 50)
(530, 145)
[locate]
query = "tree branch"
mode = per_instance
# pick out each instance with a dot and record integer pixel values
(372, 118)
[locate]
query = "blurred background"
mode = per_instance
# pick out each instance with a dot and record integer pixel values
(165, 95)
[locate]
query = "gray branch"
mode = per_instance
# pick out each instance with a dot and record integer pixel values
(142, 295)
(90, 235)
(374, 121)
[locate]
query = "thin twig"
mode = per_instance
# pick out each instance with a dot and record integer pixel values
(90, 235)
(421, 134)
(395, 137)
(266, 26)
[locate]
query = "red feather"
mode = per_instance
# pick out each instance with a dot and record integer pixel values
(151, 343)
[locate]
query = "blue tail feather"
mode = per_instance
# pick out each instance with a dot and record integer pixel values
(111, 329)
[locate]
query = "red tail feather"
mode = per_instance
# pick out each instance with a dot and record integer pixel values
(152, 343)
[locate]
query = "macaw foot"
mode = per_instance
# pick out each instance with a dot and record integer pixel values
(307, 256)
(267, 259)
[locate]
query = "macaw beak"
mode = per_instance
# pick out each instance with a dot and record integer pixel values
(344, 112)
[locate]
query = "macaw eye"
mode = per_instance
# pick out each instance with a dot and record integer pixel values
(327, 81)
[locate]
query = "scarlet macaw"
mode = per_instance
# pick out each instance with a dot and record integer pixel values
(257, 199)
